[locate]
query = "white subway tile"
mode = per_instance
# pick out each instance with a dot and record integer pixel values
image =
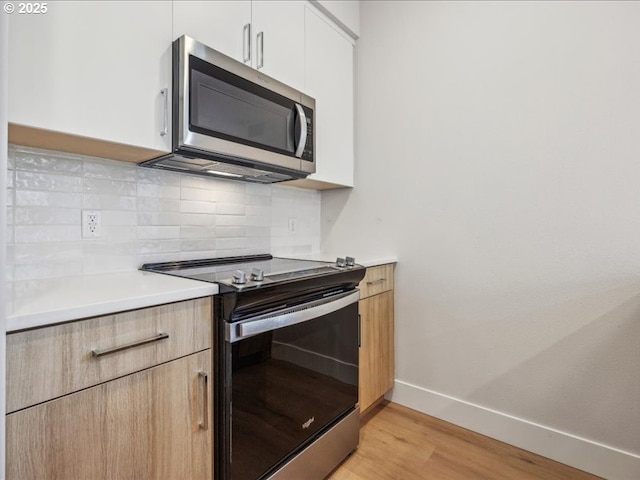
(230, 209)
(230, 197)
(160, 205)
(253, 231)
(109, 187)
(109, 169)
(191, 206)
(48, 270)
(146, 247)
(259, 189)
(205, 232)
(198, 254)
(158, 191)
(109, 263)
(44, 181)
(226, 232)
(108, 202)
(261, 200)
(194, 181)
(101, 246)
(230, 243)
(11, 162)
(157, 257)
(198, 219)
(45, 162)
(48, 253)
(117, 233)
(231, 220)
(258, 244)
(47, 233)
(48, 199)
(258, 220)
(197, 245)
(118, 217)
(158, 232)
(157, 177)
(10, 235)
(46, 216)
(199, 194)
(149, 218)
(258, 210)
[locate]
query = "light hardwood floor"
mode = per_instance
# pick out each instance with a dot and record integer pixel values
(400, 443)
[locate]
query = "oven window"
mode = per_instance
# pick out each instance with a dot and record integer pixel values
(226, 106)
(288, 385)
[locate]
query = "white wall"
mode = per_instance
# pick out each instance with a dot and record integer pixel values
(4, 41)
(498, 156)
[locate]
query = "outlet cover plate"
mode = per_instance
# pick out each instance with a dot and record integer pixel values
(91, 224)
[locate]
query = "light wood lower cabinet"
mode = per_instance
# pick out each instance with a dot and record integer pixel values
(154, 424)
(377, 368)
(130, 397)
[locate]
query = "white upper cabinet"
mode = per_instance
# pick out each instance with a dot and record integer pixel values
(329, 79)
(93, 69)
(266, 35)
(278, 30)
(222, 25)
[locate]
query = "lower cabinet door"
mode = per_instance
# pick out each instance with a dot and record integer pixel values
(376, 348)
(154, 424)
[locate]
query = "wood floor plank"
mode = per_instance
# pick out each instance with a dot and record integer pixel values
(399, 443)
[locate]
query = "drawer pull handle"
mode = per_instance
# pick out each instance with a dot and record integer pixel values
(204, 422)
(375, 282)
(107, 351)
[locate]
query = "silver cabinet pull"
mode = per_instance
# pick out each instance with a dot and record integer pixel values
(246, 43)
(204, 416)
(302, 121)
(165, 118)
(260, 47)
(375, 282)
(107, 351)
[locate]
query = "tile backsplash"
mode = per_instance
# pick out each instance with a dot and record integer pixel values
(147, 216)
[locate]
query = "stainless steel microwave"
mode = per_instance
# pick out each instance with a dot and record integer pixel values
(232, 121)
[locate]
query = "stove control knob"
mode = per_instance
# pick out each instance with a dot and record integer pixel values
(350, 262)
(257, 275)
(239, 277)
(340, 262)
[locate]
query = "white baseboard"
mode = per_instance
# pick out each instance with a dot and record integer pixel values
(587, 455)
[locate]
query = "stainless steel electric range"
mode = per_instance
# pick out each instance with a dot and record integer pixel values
(287, 334)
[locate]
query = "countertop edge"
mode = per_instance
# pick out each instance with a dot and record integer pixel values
(173, 289)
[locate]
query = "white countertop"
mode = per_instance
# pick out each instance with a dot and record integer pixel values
(42, 302)
(365, 261)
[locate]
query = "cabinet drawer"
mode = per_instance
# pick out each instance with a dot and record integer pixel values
(48, 362)
(377, 280)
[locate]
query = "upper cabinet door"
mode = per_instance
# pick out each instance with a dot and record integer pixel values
(94, 69)
(278, 40)
(221, 25)
(329, 79)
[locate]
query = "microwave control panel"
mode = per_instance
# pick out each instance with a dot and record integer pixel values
(307, 154)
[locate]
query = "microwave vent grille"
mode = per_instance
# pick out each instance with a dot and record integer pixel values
(214, 168)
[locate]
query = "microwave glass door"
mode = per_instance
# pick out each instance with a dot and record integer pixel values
(227, 106)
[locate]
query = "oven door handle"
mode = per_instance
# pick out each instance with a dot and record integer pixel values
(288, 316)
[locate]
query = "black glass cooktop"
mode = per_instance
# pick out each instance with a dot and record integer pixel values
(222, 270)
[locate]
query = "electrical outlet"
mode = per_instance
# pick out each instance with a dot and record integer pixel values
(293, 226)
(91, 224)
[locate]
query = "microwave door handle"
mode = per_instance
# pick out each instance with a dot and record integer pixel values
(302, 122)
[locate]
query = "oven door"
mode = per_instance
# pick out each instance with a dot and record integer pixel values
(293, 375)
